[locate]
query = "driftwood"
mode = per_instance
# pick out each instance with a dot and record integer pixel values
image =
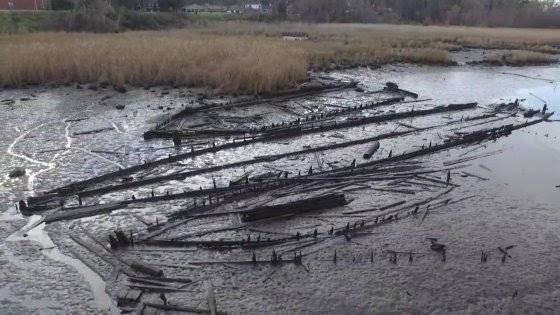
(392, 87)
(308, 120)
(377, 209)
(166, 228)
(271, 98)
(396, 173)
(94, 131)
(145, 269)
(475, 176)
(298, 129)
(177, 308)
(135, 266)
(111, 261)
(224, 244)
(478, 136)
(212, 231)
(371, 150)
(262, 159)
(71, 189)
(81, 212)
(387, 217)
(155, 288)
(474, 137)
(141, 281)
(164, 279)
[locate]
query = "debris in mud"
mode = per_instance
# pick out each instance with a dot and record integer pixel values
(435, 246)
(483, 257)
(120, 106)
(120, 88)
(371, 150)
(505, 252)
(297, 207)
(255, 199)
(313, 87)
(89, 132)
(530, 113)
(17, 172)
(393, 87)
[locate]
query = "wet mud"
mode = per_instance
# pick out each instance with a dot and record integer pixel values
(504, 193)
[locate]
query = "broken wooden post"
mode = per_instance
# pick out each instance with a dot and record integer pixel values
(371, 150)
(113, 242)
(176, 141)
(483, 257)
(22, 206)
(274, 257)
(212, 300)
(122, 239)
(393, 259)
(146, 269)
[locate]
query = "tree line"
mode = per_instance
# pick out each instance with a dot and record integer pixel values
(505, 13)
(493, 13)
(510, 13)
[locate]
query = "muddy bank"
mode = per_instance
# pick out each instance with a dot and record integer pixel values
(497, 216)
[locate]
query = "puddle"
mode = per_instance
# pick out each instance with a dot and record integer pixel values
(37, 234)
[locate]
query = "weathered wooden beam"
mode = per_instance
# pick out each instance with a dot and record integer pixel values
(256, 160)
(71, 189)
(82, 212)
(297, 207)
(474, 137)
(178, 308)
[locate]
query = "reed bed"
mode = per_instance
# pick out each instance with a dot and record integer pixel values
(241, 56)
(519, 58)
(227, 63)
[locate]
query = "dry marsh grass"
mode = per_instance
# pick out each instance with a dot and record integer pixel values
(230, 64)
(519, 58)
(241, 56)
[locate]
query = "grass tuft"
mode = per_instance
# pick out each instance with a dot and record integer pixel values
(519, 58)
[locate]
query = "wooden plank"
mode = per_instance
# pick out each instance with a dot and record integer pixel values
(82, 212)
